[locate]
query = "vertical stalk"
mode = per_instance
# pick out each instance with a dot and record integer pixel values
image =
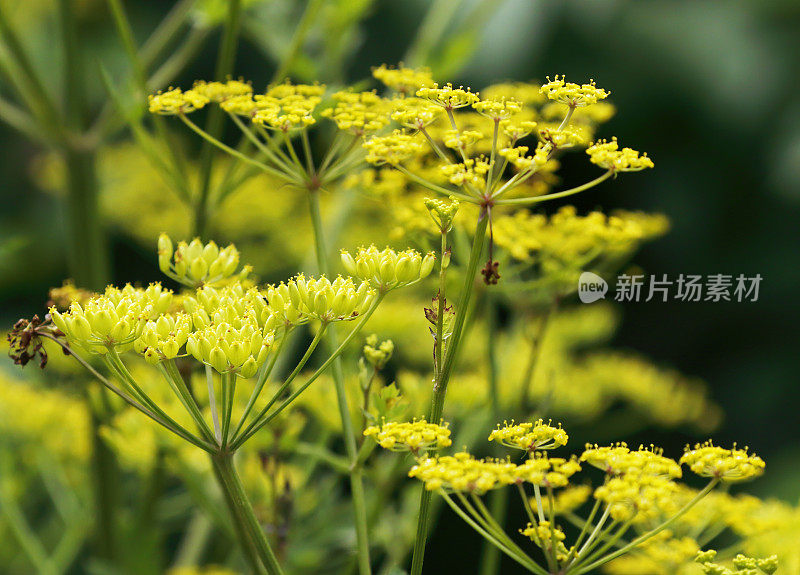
(87, 250)
(440, 384)
(254, 542)
(89, 266)
(356, 473)
(498, 499)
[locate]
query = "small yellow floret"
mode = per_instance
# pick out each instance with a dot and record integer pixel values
(392, 149)
(573, 95)
(414, 436)
(462, 472)
(608, 155)
(727, 465)
(530, 436)
(175, 101)
(448, 97)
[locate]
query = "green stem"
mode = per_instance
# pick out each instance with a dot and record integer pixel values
(653, 532)
(320, 370)
(256, 423)
(441, 305)
(250, 535)
(440, 385)
(490, 555)
(565, 193)
(356, 472)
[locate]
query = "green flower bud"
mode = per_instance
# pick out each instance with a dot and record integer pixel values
(249, 368)
(217, 360)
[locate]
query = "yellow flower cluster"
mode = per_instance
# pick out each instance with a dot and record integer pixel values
(635, 494)
(387, 269)
(515, 131)
(196, 264)
(164, 337)
(414, 436)
(742, 564)
(175, 101)
(567, 237)
(530, 436)
(222, 91)
(28, 413)
(517, 156)
(391, 149)
(358, 112)
(448, 97)
(727, 465)
(287, 106)
(307, 298)
(663, 554)
(461, 140)
(112, 321)
(543, 535)
(213, 305)
(239, 346)
(470, 172)
(561, 138)
(573, 95)
(401, 79)
(617, 459)
(547, 471)
(497, 110)
(414, 113)
(608, 155)
(462, 472)
(526, 93)
(61, 297)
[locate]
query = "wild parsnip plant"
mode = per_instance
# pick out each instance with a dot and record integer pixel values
(638, 490)
(456, 167)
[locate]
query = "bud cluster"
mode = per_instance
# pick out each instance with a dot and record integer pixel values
(301, 299)
(387, 269)
(196, 264)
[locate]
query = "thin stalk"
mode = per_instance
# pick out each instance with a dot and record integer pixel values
(356, 472)
(565, 193)
(608, 539)
(250, 536)
(115, 363)
(263, 377)
(524, 560)
(584, 530)
(170, 372)
(212, 401)
(255, 424)
(232, 151)
(435, 188)
(490, 556)
(595, 532)
(314, 376)
(442, 303)
(440, 385)
(645, 536)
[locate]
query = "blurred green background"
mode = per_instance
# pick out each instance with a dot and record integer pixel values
(709, 89)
